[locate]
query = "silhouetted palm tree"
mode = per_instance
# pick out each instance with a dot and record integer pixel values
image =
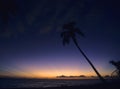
(117, 65)
(69, 32)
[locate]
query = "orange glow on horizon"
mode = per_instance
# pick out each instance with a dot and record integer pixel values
(51, 73)
(54, 71)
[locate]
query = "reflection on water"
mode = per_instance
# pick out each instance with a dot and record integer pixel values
(35, 83)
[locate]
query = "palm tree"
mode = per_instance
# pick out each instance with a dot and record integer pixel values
(117, 65)
(69, 32)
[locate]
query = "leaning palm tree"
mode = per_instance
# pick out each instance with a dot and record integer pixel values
(69, 32)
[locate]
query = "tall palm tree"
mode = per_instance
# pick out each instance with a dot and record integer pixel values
(69, 32)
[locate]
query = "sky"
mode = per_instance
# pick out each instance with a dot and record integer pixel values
(30, 42)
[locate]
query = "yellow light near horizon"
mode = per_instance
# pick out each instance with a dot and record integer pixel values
(52, 73)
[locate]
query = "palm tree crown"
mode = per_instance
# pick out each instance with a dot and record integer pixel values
(69, 32)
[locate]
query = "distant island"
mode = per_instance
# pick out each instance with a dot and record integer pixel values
(79, 77)
(63, 76)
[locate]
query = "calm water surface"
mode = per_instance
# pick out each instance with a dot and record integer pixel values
(20, 83)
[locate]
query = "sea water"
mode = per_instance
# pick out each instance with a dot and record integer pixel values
(37, 83)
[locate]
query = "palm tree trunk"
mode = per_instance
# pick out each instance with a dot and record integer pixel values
(98, 74)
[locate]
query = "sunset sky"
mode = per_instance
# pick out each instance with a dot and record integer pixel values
(30, 42)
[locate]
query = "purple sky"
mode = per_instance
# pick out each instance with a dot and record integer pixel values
(30, 43)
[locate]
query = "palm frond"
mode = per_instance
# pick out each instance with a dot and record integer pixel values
(77, 30)
(66, 37)
(69, 31)
(69, 26)
(66, 41)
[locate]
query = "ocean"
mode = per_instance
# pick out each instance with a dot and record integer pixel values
(37, 83)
